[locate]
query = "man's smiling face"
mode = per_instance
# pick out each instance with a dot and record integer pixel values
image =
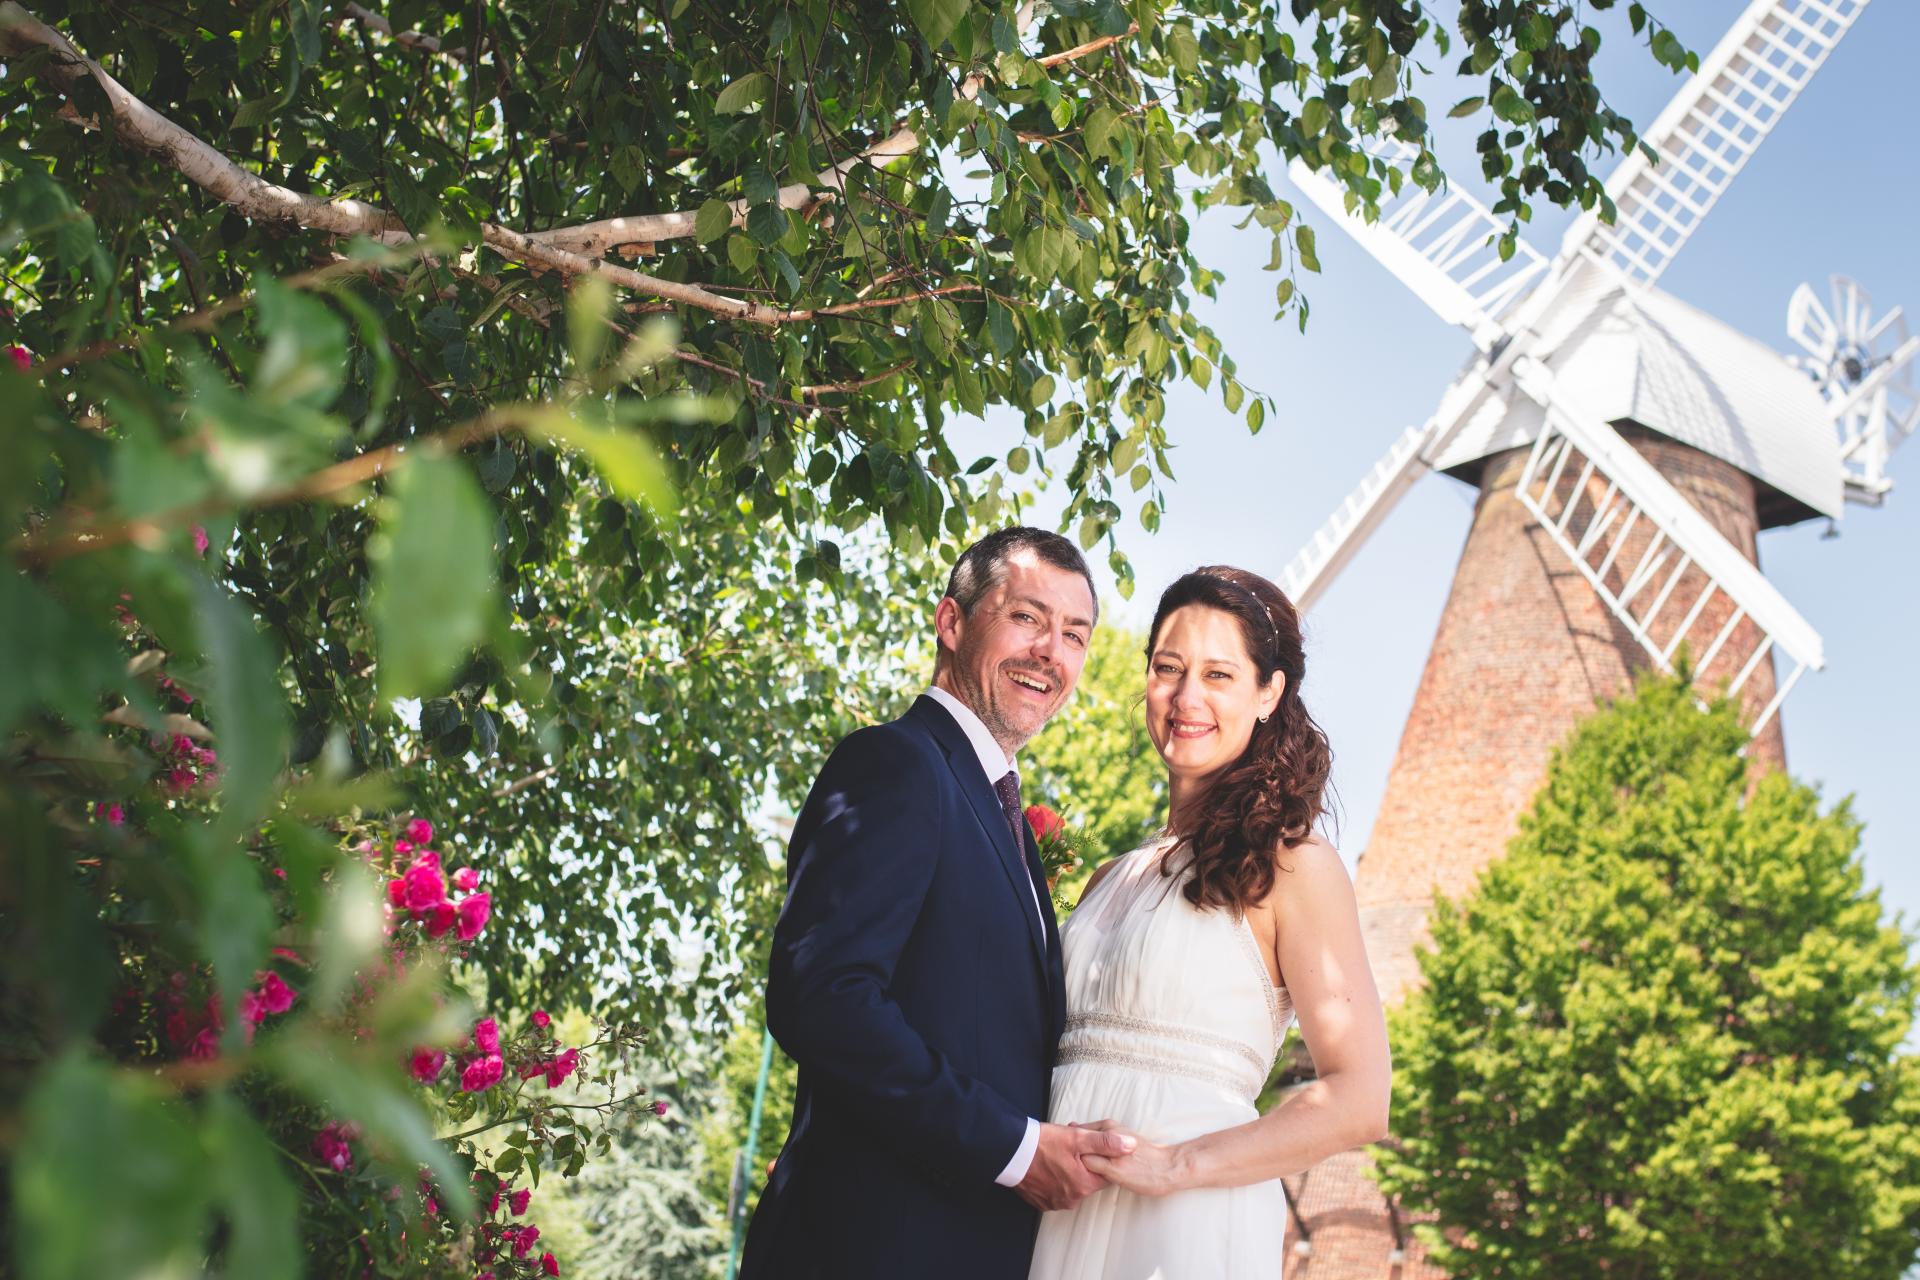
(1015, 659)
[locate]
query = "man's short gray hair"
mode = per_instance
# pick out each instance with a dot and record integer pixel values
(984, 563)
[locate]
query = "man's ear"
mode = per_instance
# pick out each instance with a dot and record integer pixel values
(948, 622)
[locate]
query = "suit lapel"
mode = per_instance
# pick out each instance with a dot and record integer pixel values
(992, 818)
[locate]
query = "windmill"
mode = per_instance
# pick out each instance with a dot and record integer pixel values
(1628, 448)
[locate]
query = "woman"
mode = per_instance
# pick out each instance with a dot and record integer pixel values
(1187, 959)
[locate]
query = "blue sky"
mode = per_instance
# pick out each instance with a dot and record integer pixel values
(1833, 190)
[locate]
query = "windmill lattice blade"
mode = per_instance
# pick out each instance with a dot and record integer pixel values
(1313, 569)
(1666, 573)
(1709, 131)
(1443, 245)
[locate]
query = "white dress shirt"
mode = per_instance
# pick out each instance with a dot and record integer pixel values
(996, 764)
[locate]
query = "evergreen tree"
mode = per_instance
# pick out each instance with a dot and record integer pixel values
(1662, 1037)
(639, 1205)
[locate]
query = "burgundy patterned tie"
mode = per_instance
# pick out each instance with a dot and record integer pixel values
(1008, 789)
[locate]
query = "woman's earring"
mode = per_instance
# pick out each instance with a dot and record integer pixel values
(1265, 718)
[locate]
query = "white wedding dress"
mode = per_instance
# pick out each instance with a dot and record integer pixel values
(1173, 1023)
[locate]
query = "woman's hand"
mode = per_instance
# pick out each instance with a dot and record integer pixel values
(1151, 1169)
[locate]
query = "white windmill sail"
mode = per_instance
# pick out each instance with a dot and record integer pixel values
(1864, 366)
(1443, 245)
(1709, 131)
(1680, 582)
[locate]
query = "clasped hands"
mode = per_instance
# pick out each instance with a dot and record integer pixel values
(1073, 1161)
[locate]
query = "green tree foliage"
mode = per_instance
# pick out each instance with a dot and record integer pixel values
(639, 1212)
(724, 1134)
(1662, 1036)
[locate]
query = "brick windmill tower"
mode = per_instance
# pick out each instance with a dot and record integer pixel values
(1627, 450)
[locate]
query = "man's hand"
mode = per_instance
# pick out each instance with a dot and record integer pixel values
(1057, 1179)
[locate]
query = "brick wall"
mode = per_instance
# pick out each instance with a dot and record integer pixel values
(1524, 649)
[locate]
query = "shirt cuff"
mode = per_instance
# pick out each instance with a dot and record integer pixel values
(1016, 1171)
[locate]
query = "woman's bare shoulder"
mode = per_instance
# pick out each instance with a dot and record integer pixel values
(1307, 873)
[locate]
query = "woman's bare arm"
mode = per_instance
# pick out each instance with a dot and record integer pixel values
(1324, 962)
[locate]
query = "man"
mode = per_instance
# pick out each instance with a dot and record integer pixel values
(916, 975)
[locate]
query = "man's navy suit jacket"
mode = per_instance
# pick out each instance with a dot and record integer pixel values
(921, 994)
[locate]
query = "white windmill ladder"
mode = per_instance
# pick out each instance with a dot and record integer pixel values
(1709, 131)
(1665, 597)
(1443, 245)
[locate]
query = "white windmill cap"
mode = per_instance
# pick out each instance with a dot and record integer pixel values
(1641, 356)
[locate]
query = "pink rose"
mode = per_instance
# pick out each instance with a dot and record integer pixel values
(397, 892)
(541, 1019)
(425, 888)
(275, 995)
(22, 358)
(518, 1201)
(200, 540)
(466, 879)
(420, 831)
(524, 1241)
(486, 1036)
(659, 1108)
(330, 1144)
(548, 1265)
(473, 911)
(562, 1067)
(482, 1073)
(427, 1064)
(441, 919)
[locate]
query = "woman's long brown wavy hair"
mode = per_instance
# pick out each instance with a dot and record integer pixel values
(1271, 797)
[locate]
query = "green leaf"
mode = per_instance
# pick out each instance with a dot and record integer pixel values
(305, 361)
(1183, 47)
(250, 724)
(109, 1178)
(261, 1208)
(743, 94)
(714, 220)
(1314, 115)
(624, 458)
(741, 253)
(936, 19)
(766, 223)
(433, 575)
(589, 308)
(1232, 394)
(236, 920)
(1000, 330)
(1256, 415)
(1304, 245)
(1466, 107)
(1041, 391)
(1098, 129)
(51, 658)
(1510, 106)
(761, 188)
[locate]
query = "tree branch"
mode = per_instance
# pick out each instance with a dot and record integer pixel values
(411, 39)
(45, 548)
(255, 197)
